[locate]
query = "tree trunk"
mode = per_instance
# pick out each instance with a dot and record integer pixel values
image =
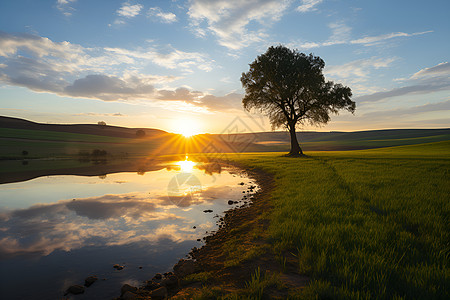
(295, 147)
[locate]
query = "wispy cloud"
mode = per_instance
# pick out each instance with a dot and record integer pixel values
(158, 14)
(228, 20)
(360, 68)
(64, 6)
(341, 34)
(308, 5)
(169, 58)
(374, 40)
(101, 114)
(404, 111)
(425, 81)
(440, 69)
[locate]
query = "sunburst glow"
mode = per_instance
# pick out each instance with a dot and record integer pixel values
(187, 127)
(186, 165)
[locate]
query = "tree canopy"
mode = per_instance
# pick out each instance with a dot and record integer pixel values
(289, 87)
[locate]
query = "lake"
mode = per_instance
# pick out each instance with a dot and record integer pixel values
(59, 226)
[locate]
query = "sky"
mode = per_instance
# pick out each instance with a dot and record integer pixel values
(177, 64)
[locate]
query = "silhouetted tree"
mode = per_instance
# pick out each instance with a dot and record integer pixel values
(289, 87)
(140, 133)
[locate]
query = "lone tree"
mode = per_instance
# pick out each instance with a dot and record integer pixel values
(289, 87)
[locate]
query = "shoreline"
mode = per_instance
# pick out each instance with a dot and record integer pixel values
(218, 264)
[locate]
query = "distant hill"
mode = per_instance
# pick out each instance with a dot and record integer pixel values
(337, 140)
(40, 139)
(102, 130)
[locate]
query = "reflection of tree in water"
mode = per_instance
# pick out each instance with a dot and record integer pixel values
(210, 168)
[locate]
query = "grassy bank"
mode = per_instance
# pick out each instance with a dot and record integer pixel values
(369, 224)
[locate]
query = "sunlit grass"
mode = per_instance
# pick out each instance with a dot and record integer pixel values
(364, 224)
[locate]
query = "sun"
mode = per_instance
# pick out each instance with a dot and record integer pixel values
(187, 132)
(187, 127)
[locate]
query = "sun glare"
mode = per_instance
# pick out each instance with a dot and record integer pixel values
(187, 127)
(186, 165)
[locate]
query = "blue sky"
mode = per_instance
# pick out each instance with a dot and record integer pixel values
(172, 64)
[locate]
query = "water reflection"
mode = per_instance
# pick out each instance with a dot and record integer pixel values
(186, 166)
(121, 217)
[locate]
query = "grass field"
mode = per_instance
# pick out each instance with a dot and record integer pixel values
(369, 224)
(366, 224)
(40, 143)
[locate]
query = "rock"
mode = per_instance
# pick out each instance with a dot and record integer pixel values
(75, 289)
(241, 183)
(151, 285)
(198, 240)
(158, 276)
(185, 267)
(194, 227)
(208, 211)
(128, 288)
(159, 293)
(90, 280)
(170, 281)
(128, 296)
(118, 267)
(140, 267)
(230, 202)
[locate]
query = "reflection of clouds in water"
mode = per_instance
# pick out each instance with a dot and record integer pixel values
(109, 220)
(96, 209)
(66, 225)
(210, 168)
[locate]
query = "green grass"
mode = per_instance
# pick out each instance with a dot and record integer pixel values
(369, 224)
(374, 143)
(43, 144)
(58, 136)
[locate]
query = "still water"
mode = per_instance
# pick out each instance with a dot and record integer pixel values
(56, 230)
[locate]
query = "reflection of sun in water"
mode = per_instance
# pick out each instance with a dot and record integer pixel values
(186, 165)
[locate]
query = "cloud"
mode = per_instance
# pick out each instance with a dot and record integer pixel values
(229, 20)
(169, 58)
(341, 35)
(308, 5)
(360, 68)
(108, 88)
(374, 40)
(128, 10)
(101, 114)
(440, 69)
(71, 70)
(429, 107)
(425, 81)
(157, 13)
(64, 7)
(221, 103)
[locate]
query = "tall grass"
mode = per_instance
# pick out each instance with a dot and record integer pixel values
(370, 224)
